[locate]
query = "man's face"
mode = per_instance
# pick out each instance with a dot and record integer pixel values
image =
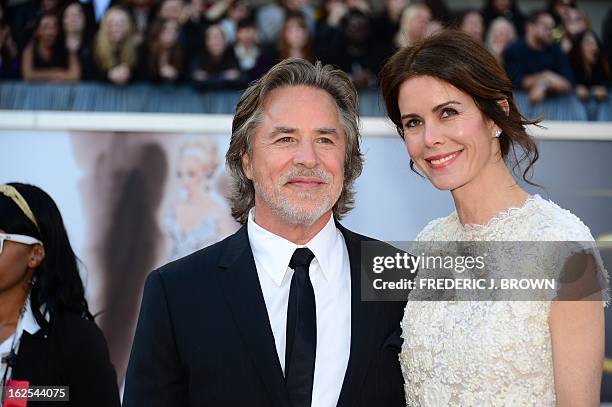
(297, 158)
(544, 29)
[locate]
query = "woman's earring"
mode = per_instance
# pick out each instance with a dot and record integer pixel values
(497, 133)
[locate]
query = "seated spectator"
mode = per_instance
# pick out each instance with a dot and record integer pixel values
(360, 5)
(48, 336)
(115, 52)
(574, 24)
(270, 18)
(294, 39)
(413, 25)
(590, 67)
(165, 55)
(237, 10)
(327, 28)
(500, 35)
(30, 19)
(386, 24)
(78, 36)
(253, 59)
(434, 27)
(171, 10)
(536, 64)
(9, 56)
(504, 8)
(472, 23)
(355, 51)
(46, 57)
(559, 9)
(216, 66)
(141, 12)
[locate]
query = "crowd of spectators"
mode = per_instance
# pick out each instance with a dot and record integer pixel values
(227, 43)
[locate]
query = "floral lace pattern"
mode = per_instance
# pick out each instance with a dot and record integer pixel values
(483, 353)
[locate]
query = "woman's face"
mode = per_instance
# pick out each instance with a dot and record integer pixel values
(48, 30)
(169, 34)
(193, 171)
(447, 137)
(295, 34)
(215, 41)
(574, 22)
(590, 49)
(74, 19)
(473, 25)
(502, 35)
(14, 265)
(118, 26)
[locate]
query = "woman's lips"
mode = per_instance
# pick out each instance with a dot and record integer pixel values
(439, 161)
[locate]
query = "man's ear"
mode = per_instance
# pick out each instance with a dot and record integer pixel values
(246, 166)
(503, 103)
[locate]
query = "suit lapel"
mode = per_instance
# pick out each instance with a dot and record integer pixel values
(245, 298)
(363, 324)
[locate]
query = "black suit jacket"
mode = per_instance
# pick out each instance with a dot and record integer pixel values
(71, 352)
(204, 338)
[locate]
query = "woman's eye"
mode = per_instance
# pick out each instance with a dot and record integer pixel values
(412, 123)
(448, 112)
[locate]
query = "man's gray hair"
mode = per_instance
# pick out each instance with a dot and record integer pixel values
(293, 72)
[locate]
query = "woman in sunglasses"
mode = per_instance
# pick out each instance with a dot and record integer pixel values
(47, 334)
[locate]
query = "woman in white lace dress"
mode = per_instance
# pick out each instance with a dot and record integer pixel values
(453, 106)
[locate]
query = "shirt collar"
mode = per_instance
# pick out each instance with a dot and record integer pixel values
(28, 322)
(274, 252)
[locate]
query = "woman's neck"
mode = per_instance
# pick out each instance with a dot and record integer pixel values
(12, 301)
(491, 192)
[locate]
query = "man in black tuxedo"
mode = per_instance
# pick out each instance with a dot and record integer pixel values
(272, 315)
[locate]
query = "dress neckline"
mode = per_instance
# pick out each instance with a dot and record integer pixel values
(499, 217)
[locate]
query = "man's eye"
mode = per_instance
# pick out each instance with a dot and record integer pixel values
(286, 139)
(325, 140)
(448, 112)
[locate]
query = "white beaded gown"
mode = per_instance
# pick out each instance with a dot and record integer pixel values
(485, 353)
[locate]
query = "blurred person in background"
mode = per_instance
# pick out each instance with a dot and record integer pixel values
(9, 55)
(386, 23)
(48, 336)
(253, 59)
(270, 18)
(439, 11)
(504, 8)
(30, 19)
(216, 66)
(237, 10)
(78, 36)
(413, 25)
(590, 67)
(559, 9)
(500, 35)
(294, 39)
(472, 23)
(115, 51)
(165, 55)
(331, 13)
(575, 23)
(536, 64)
(141, 12)
(355, 51)
(46, 57)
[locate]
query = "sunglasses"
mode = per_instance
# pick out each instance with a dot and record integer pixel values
(17, 239)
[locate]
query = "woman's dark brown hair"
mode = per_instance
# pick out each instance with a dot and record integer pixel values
(283, 45)
(458, 59)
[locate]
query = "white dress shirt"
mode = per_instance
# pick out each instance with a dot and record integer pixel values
(331, 280)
